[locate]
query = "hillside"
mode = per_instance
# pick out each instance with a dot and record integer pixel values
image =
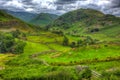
(43, 19)
(25, 16)
(88, 22)
(10, 23)
(85, 51)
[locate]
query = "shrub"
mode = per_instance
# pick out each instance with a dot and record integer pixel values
(79, 43)
(18, 47)
(16, 33)
(8, 44)
(65, 41)
(73, 45)
(114, 75)
(86, 74)
(88, 40)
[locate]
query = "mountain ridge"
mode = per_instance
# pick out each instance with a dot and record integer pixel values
(25, 16)
(87, 21)
(10, 23)
(43, 19)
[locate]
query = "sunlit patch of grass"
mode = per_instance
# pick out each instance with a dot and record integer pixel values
(5, 57)
(84, 54)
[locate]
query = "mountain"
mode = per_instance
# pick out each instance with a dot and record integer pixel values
(87, 22)
(43, 19)
(25, 16)
(10, 23)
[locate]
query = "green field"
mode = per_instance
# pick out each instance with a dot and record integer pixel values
(68, 50)
(40, 59)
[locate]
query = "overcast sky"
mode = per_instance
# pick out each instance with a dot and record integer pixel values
(61, 6)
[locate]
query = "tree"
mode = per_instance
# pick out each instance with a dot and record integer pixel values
(73, 44)
(16, 33)
(7, 41)
(85, 74)
(18, 47)
(65, 41)
(88, 40)
(9, 44)
(79, 43)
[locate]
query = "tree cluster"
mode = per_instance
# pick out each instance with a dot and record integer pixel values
(8, 44)
(82, 42)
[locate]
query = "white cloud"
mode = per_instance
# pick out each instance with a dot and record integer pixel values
(14, 3)
(29, 9)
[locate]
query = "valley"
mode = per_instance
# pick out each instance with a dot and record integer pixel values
(74, 46)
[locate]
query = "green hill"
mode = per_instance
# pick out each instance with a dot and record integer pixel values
(78, 54)
(10, 23)
(25, 16)
(43, 19)
(88, 22)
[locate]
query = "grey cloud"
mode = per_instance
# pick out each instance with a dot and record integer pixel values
(61, 6)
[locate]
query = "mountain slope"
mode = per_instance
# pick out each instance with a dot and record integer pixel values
(43, 19)
(86, 22)
(9, 23)
(25, 16)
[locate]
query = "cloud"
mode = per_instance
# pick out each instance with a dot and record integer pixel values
(61, 6)
(29, 9)
(14, 3)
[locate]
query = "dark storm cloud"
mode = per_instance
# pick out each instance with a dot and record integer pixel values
(61, 6)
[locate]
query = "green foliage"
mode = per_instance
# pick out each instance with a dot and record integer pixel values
(88, 40)
(18, 47)
(59, 75)
(16, 33)
(83, 42)
(112, 75)
(85, 74)
(79, 43)
(8, 44)
(73, 45)
(65, 41)
(44, 58)
(81, 22)
(59, 32)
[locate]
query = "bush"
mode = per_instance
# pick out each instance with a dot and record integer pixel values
(86, 74)
(16, 33)
(114, 75)
(8, 44)
(79, 43)
(19, 47)
(65, 41)
(73, 44)
(59, 32)
(88, 40)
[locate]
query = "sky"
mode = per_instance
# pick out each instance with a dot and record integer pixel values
(61, 6)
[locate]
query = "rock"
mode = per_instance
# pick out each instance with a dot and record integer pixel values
(80, 68)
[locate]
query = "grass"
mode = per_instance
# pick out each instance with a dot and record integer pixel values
(24, 66)
(45, 58)
(32, 48)
(104, 66)
(83, 54)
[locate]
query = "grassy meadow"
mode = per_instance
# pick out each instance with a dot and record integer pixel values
(73, 47)
(44, 55)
